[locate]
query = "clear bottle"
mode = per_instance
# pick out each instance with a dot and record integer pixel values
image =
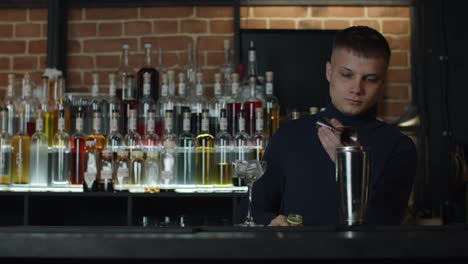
(124, 71)
(132, 139)
(168, 154)
(94, 106)
(122, 171)
(39, 154)
(259, 140)
(252, 68)
(92, 167)
(151, 148)
(5, 149)
(224, 145)
(129, 101)
(217, 103)
(28, 105)
(251, 104)
(154, 76)
(204, 153)
(137, 171)
(106, 176)
(191, 69)
(161, 104)
(198, 105)
(114, 140)
(145, 104)
(95, 144)
(112, 104)
(10, 103)
(78, 151)
(234, 105)
(272, 107)
(227, 68)
(62, 104)
(48, 111)
(96, 135)
(162, 69)
(170, 102)
(186, 153)
(242, 151)
(20, 153)
(60, 154)
(181, 103)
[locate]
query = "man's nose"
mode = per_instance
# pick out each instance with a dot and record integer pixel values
(358, 87)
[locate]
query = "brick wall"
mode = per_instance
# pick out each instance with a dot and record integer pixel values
(96, 36)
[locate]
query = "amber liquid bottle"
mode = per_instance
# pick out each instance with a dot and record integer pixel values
(20, 154)
(78, 152)
(204, 153)
(148, 68)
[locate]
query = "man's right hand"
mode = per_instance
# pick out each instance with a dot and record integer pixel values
(280, 220)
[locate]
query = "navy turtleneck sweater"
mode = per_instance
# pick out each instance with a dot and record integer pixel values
(300, 177)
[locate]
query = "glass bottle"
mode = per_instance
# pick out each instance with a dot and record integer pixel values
(78, 151)
(242, 143)
(62, 104)
(190, 70)
(96, 135)
(181, 103)
(94, 106)
(170, 102)
(39, 154)
(28, 105)
(168, 154)
(122, 171)
(20, 153)
(136, 171)
(250, 105)
(234, 105)
(227, 68)
(161, 104)
(5, 149)
(186, 153)
(151, 147)
(204, 153)
(129, 101)
(92, 167)
(112, 104)
(154, 76)
(60, 154)
(272, 107)
(252, 69)
(217, 103)
(224, 144)
(198, 105)
(48, 111)
(259, 139)
(161, 67)
(132, 139)
(95, 144)
(124, 71)
(114, 140)
(106, 176)
(10, 103)
(145, 104)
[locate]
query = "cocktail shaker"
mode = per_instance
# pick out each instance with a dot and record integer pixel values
(352, 176)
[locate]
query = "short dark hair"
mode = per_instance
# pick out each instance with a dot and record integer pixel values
(363, 40)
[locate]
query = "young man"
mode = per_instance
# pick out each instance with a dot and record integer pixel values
(300, 177)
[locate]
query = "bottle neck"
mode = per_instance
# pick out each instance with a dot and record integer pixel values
(148, 57)
(252, 65)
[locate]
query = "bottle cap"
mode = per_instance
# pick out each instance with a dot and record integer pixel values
(148, 45)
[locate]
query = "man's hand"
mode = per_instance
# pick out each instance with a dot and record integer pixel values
(330, 139)
(280, 220)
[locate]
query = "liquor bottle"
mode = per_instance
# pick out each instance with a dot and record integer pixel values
(204, 153)
(90, 174)
(96, 135)
(217, 103)
(129, 101)
(227, 68)
(151, 147)
(78, 151)
(161, 104)
(10, 103)
(28, 105)
(153, 73)
(181, 103)
(198, 105)
(145, 104)
(60, 154)
(132, 139)
(186, 153)
(259, 140)
(234, 105)
(170, 102)
(136, 170)
(114, 140)
(39, 154)
(161, 67)
(272, 107)
(106, 176)
(242, 143)
(124, 71)
(95, 144)
(5, 149)
(20, 153)
(251, 104)
(224, 144)
(168, 154)
(110, 105)
(252, 70)
(122, 171)
(191, 69)
(62, 104)
(94, 106)
(48, 111)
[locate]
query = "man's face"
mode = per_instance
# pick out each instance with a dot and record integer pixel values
(356, 83)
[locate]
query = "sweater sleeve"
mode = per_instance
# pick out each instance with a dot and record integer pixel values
(389, 197)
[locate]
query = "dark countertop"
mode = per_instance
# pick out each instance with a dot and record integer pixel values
(221, 243)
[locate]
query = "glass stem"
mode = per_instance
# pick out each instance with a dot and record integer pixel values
(249, 214)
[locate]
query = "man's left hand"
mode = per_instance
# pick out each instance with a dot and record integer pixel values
(330, 139)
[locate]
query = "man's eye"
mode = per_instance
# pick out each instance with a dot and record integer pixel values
(372, 79)
(347, 75)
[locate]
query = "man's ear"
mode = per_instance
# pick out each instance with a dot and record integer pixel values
(328, 70)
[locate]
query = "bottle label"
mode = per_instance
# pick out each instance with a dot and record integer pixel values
(164, 89)
(79, 123)
(61, 124)
(146, 89)
(204, 124)
(96, 123)
(269, 88)
(235, 88)
(89, 178)
(27, 90)
(114, 125)
(199, 89)
(168, 123)
(259, 124)
(181, 88)
(186, 124)
(10, 90)
(95, 90)
(132, 123)
(251, 55)
(112, 90)
(241, 124)
(150, 125)
(223, 123)
(217, 88)
(39, 124)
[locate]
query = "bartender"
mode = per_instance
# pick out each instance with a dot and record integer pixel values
(300, 177)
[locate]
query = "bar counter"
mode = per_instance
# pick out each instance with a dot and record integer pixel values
(193, 244)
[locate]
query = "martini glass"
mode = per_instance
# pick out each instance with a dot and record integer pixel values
(250, 171)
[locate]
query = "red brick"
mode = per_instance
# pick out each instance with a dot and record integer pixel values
(137, 61)
(399, 75)
(169, 59)
(111, 13)
(310, 24)
(368, 22)
(198, 57)
(103, 80)
(44, 30)
(73, 46)
(337, 11)
(107, 45)
(79, 30)
(194, 26)
(280, 11)
(395, 26)
(15, 14)
(169, 43)
(6, 31)
(38, 14)
(13, 46)
(137, 28)
(215, 11)
(110, 29)
(212, 43)
(221, 26)
(282, 24)
(392, 109)
(37, 47)
(28, 30)
(165, 26)
(398, 42)
(107, 61)
(388, 11)
(4, 63)
(215, 58)
(245, 11)
(74, 78)
(399, 58)
(42, 62)
(253, 23)
(75, 14)
(164, 12)
(80, 62)
(24, 63)
(336, 24)
(397, 92)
